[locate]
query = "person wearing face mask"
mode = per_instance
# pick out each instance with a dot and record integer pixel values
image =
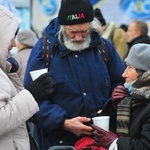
(132, 106)
(17, 105)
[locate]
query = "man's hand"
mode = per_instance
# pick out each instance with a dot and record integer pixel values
(119, 93)
(77, 126)
(103, 138)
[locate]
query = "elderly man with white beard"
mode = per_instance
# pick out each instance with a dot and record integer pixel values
(82, 81)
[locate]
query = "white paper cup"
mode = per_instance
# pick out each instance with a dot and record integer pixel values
(35, 74)
(102, 121)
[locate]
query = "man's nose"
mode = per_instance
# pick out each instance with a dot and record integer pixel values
(78, 37)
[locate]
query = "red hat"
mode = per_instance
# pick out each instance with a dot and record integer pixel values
(86, 142)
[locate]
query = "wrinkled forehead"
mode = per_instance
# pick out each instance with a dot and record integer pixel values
(77, 27)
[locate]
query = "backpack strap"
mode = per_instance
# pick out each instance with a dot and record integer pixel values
(103, 50)
(47, 51)
(33, 143)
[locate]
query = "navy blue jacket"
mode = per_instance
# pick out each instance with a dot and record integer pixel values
(82, 85)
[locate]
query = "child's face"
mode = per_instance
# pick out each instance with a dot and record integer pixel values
(130, 74)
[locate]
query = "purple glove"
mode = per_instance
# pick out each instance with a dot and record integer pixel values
(103, 138)
(119, 93)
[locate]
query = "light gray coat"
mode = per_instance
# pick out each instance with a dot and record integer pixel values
(17, 105)
(22, 58)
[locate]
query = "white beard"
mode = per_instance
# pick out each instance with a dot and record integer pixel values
(74, 45)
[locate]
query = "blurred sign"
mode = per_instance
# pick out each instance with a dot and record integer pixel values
(119, 11)
(42, 12)
(10, 6)
(21, 3)
(136, 9)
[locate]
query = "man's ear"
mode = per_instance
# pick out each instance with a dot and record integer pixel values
(138, 33)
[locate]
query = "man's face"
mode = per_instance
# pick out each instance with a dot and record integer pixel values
(132, 32)
(77, 37)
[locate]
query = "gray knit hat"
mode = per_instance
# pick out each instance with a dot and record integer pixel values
(139, 56)
(27, 37)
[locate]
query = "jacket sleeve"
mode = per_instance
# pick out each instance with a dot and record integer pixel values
(50, 116)
(35, 61)
(116, 66)
(47, 110)
(128, 143)
(15, 108)
(139, 133)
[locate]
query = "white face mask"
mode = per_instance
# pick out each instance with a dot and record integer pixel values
(128, 86)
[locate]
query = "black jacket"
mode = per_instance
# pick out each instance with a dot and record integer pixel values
(140, 39)
(139, 132)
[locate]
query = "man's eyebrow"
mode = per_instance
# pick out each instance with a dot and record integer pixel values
(80, 30)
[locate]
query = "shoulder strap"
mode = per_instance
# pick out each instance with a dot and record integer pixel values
(47, 51)
(104, 51)
(33, 143)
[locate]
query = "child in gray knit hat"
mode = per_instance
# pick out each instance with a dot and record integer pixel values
(133, 105)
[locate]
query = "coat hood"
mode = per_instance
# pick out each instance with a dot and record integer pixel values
(9, 24)
(51, 30)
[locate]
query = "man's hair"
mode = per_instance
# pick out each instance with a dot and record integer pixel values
(142, 26)
(140, 72)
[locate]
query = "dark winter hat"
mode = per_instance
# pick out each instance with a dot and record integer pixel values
(139, 56)
(75, 12)
(99, 16)
(27, 37)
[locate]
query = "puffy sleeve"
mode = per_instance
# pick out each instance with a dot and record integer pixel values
(15, 108)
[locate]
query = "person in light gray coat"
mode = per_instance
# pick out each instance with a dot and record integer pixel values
(26, 39)
(17, 105)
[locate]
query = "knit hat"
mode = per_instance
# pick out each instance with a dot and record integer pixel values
(139, 56)
(99, 16)
(75, 12)
(86, 142)
(27, 37)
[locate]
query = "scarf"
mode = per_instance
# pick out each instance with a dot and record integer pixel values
(123, 116)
